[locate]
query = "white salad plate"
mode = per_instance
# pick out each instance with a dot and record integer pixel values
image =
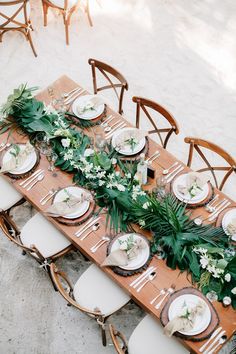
(28, 163)
(182, 180)
(90, 113)
(126, 149)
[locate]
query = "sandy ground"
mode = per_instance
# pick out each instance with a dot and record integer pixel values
(180, 53)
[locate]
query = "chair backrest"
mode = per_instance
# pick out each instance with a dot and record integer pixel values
(142, 105)
(11, 231)
(118, 340)
(14, 14)
(60, 279)
(195, 145)
(109, 73)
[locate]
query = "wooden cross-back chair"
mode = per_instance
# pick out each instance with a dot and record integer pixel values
(142, 105)
(14, 16)
(107, 71)
(66, 8)
(12, 232)
(195, 146)
(94, 293)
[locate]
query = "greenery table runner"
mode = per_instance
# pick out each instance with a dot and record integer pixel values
(205, 252)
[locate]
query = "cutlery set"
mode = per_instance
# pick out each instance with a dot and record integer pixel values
(101, 242)
(33, 179)
(73, 95)
(169, 176)
(48, 196)
(144, 278)
(217, 338)
(214, 211)
(90, 225)
(153, 157)
(119, 126)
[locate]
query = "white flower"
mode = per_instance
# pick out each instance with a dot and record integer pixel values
(101, 183)
(65, 142)
(128, 175)
(50, 109)
(111, 176)
(109, 185)
(227, 277)
(114, 161)
(62, 132)
(88, 152)
(146, 205)
(120, 187)
(117, 173)
(72, 163)
(88, 167)
(142, 223)
(68, 155)
(101, 174)
(233, 291)
(136, 177)
(204, 261)
(227, 300)
(97, 168)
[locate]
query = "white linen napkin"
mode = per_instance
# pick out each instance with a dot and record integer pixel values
(68, 206)
(17, 161)
(91, 104)
(195, 181)
(185, 321)
(121, 257)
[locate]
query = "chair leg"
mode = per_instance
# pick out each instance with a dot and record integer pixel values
(101, 321)
(67, 31)
(31, 43)
(45, 14)
(50, 276)
(87, 10)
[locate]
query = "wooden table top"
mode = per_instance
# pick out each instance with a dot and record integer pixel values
(165, 276)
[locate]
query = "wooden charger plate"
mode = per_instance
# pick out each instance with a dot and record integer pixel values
(214, 316)
(204, 202)
(81, 219)
(25, 174)
(125, 272)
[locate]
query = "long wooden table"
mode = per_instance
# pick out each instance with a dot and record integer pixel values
(165, 276)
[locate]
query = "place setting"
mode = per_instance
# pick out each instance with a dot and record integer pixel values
(130, 143)
(192, 188)
(227, 219)
(128, 254)
(19, 160)
(188, 314)
(71, 205)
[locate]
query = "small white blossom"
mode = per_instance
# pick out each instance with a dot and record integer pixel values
(101, 183)
(114, 161)
(227, 300)
(204, 260)
(101, 174)
(88, 152)
(117, 173)
(120, 188)
(128, 175)
(68, 155)
(142, 223)
(227, 277)
(146, 205)
(65, 142)
(97, 168)
(233, 291)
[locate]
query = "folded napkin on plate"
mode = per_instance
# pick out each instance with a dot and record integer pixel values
(91, 104)
(185, 321)
(195, 181)
(68, 206)
(231, 228)
(18, 160)
(121, 257)
(123, 139)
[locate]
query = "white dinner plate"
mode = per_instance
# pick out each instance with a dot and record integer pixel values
(75, 191)
(227, 218)
(136, 262)
(201, 321)
(27, 165)
(89, 114)
(126, 150)
(181, 180)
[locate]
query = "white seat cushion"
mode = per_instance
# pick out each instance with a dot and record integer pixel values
(40, 232)
(148, 338)
(9, 196)
(95, 290)
(9, 10)
(61, 3)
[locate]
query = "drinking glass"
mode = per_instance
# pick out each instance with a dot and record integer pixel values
(212, 296)
(161, 186)
(100, 141)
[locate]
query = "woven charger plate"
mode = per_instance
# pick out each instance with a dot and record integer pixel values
(214, 316)
(135, 157)
(81, 219)
(204, 202)
(25, 174)
(125, 272)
